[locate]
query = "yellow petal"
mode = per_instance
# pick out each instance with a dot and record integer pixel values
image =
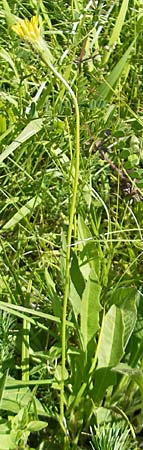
(28, 29)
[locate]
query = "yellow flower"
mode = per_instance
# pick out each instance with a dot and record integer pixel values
(28, 29)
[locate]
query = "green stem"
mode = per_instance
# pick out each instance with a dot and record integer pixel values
(71, 220)
(25, 340)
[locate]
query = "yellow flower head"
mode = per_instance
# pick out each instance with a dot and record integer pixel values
(28, 29)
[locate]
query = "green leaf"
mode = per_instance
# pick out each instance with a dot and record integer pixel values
(6, 442)
(90, 308)
(126, 298)
(111, 343)
(104, 89)
(23, 212)
(2, 124)
(117, 28)
(6, 56)
(11, 18)
(30, 130)
(2, 385)
(51, 289)
(104, 378)
(14, 399)
(103, 415)
(36, 425)
(134, 373)
(77, 286)
(16, 309)
(89, 257)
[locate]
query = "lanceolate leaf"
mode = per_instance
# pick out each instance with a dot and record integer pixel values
(77, 286)
(90, 307)
(111, 343)
(126, 299)
(104, 377)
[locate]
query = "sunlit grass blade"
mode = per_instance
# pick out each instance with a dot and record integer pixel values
(22, 212)
(117, 29)
(6, 55)
(30, 130)
(9, 307)
(104, 90)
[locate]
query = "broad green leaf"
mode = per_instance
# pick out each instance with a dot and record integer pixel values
(16, 398)
(117, 28)
(126, 298)
(103, 415)
(88, 257)
(129, 316)
(36, 425)
(135, 373)
(6, 442)
(104, 89)
(104, 378)
(58, 373)
(23, 212)
(30, 130)
(126, 370)
(111, 343)
(90, 308)
(77, 286)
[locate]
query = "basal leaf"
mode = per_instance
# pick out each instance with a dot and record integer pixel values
(77, 286)
(126, 298)
(90, 308)
(16, 398)
(104, 378)
(89, 257)
(111, 343)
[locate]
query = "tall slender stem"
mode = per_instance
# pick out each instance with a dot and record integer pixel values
(71, 220)
(30, 31)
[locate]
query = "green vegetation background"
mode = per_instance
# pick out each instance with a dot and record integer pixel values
(97, 46)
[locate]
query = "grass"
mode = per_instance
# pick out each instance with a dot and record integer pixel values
(71, 243)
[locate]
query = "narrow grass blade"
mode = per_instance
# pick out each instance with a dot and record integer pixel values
(23, 212)
(6, 56)
(2, 385)
(10, 308)
(104, 89)
(30, 130)
(117, 28)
